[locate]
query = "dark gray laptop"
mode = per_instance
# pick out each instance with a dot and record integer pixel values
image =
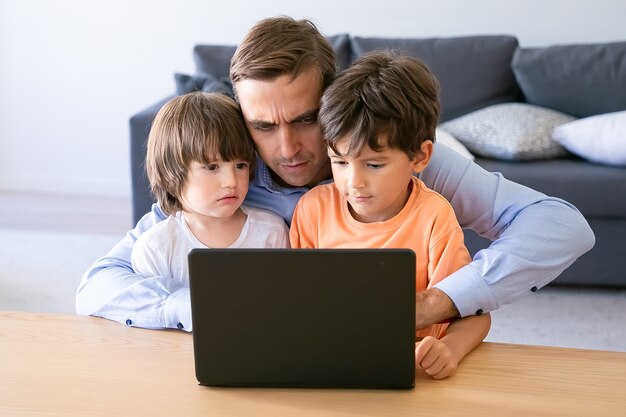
(342, 318)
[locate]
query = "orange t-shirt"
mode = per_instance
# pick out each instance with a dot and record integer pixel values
(426, 224)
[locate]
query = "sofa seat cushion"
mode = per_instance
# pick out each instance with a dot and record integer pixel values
(596, 190)
(473, 71)
(582, 80)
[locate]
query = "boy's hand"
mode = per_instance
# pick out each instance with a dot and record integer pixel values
(434, 357)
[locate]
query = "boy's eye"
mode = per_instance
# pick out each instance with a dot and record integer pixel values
(242, 165)
(375, 166)
(212, 167)
(338, 162)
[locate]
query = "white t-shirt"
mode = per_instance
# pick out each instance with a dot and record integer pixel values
(162, 250)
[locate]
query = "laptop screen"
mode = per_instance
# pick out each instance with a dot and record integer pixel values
(304, 317)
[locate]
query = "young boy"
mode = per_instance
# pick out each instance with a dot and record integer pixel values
(378, 119)
(198, 163)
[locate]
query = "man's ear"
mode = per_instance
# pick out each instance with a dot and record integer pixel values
(422, 157)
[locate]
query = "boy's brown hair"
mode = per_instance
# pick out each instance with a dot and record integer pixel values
(194, 127)
(382, 99)
(282, 45)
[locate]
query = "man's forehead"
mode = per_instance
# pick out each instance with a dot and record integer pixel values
(282, 98)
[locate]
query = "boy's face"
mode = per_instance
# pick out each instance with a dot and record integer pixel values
(216, 189)
(375, 184)
(281, 116)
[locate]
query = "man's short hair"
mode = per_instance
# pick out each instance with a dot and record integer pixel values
(382, 99)
(282, 45)
(194, 127)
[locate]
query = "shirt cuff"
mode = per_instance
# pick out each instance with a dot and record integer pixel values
(177, 310)
(469, 292)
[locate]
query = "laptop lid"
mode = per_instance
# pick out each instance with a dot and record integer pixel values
(340, 318)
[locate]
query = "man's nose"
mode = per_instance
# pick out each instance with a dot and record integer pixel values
(289, 142)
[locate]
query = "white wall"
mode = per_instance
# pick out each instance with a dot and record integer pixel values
(72, 72)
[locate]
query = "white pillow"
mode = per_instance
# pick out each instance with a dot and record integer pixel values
(599, 138)
(515, 131)
(450, 141)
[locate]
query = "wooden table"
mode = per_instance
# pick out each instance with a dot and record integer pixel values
(63, 365)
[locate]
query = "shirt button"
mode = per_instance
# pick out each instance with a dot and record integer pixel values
(180, 326)
(533, 289)
(129, 322)
(479, 311)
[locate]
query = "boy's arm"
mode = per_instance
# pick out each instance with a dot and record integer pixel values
(536, 238)
(440, 358)
(111, 289)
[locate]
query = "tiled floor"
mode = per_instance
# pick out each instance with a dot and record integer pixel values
(47, 242)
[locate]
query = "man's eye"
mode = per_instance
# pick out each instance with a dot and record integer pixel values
(308, 120)
(263, 127)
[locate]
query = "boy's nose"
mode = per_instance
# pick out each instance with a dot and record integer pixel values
(229, 178)
(355, 179)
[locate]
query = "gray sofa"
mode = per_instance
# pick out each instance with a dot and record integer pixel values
(476, 72)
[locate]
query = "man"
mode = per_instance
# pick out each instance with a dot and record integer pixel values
(279, 73)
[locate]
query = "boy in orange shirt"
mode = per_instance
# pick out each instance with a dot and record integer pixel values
(378, 119)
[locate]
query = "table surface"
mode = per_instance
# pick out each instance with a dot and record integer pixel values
(64, 365)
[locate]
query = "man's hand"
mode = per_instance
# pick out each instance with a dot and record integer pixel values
(433, 306)
(434, 357)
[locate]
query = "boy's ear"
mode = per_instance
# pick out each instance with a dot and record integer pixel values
(422, 158)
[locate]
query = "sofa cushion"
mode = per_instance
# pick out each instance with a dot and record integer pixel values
(215, 59)
(186, 83)
(596, 190)
(473, 71)
(600, 138)
(582, 80)
(453, 143)
(514, 131)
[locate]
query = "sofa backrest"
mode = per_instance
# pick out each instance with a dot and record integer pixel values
(478, 71)
(582, 80)
(215, 59)
(473, 71)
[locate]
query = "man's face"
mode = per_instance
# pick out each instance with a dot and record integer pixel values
(282, 118)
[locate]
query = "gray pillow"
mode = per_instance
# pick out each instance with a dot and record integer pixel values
(582, 80)
(473, 71)
(513, 131)
(202, 82)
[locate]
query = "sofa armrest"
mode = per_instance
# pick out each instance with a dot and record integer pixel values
(140, 124)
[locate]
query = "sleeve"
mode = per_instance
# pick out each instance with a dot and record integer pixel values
(300, 233)
(536, 236)
(447, 254)
(146, 260)
(111, 289)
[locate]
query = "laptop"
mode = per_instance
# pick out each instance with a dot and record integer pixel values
(315, 318)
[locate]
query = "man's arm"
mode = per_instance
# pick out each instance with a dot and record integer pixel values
(536, 238)
(111, 289)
